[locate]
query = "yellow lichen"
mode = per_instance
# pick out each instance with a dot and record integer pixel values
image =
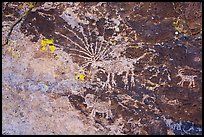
(56, 76)
(80, 77)
(47, 42)
(52, 48)
(179, 26)
(136, 47)
(175, 22)
(43, 43)
(18, 54)
(43, 48)
(50, 41)
(12, 54)
(30, 5)
(56, 57)
(112, 42)
(10, 48)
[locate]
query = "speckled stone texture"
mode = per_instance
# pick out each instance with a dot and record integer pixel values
(118, 68)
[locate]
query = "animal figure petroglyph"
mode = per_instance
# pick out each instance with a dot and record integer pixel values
(116, 67)
(98, 107)
(107, 67)
(187, 78)
(99, 54)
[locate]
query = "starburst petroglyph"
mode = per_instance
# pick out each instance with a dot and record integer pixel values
(99, 54)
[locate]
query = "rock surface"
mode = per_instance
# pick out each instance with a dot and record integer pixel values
(102, 68)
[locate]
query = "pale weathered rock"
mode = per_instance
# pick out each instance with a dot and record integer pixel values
(101, 68)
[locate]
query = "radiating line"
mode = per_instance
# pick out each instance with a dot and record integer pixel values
(92, 50)
(86, 64)
(73, 42)
(86, 45)
(101, 53)
(81, 52)
(105, 53)
(80, 55)
(85, 38)
(96, 46)
(100, 45)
